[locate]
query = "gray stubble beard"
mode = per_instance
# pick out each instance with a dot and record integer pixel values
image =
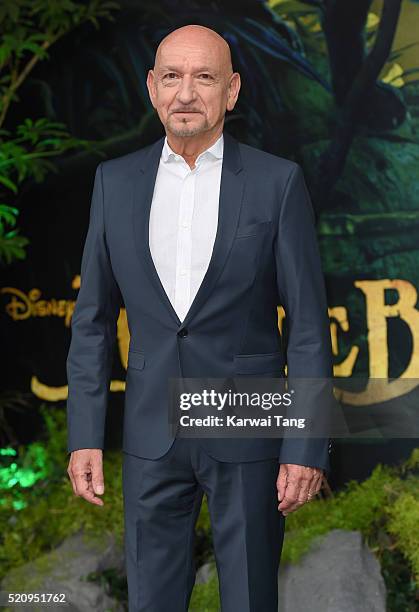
(186, 131)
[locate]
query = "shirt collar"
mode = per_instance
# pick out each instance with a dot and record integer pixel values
(215, 150)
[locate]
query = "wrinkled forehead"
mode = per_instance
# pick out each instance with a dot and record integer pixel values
(192, 56)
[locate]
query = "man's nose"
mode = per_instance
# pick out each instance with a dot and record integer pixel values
(186, 92)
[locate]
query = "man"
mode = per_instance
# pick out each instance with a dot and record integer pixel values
(200, 237)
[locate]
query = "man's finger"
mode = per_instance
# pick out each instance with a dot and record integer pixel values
(305, 484)
(292, 494)
(287, 486)
(281, 483)
(82, 479)
(310, 486)
(70, 475)
(85, 489)
(98, 484)
(91, 497)
(316, 485)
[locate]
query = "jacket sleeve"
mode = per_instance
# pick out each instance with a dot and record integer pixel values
(302, 292)
(93, 334)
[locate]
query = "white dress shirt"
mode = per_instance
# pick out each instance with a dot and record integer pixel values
(183, 221)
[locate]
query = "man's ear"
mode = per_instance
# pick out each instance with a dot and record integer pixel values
(151, 87)
(233, 91)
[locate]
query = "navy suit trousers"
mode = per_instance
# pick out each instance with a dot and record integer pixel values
(162, 500)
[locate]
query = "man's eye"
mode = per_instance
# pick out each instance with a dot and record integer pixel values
(206, 76)
(169, 75)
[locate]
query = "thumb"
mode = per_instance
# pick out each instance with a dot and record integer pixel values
(97, 477)
(281, 482)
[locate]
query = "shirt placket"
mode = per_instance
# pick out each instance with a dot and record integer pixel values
(184, 244)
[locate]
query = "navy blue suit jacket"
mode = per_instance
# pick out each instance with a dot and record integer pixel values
(265, 253)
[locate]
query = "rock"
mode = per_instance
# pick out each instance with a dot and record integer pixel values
(64, 570)
(338, 574)
(205, 572)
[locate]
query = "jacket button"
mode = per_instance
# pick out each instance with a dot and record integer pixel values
(183, 332)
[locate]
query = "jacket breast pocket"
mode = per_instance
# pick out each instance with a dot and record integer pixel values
(253, 229)
(136, 359)
(259, 363)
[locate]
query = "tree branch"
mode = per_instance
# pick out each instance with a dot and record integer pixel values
(332, 162)
(7, 98)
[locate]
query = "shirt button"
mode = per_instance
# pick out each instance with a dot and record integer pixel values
(183, 332)
(183, 272)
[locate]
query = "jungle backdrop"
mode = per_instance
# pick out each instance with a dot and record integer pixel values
(330, 84)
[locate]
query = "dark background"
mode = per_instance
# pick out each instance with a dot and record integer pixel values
(294, 82)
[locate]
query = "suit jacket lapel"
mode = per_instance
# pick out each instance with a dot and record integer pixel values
(231, 197)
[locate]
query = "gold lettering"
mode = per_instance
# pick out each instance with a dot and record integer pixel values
(377, 313)
(17, 310)
(345, 367)
(22, 306)
(57, 394)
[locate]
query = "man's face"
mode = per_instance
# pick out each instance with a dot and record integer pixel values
(191, 85)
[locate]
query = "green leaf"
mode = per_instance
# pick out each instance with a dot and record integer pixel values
(4, 180)
(12, 246)
(8, 214)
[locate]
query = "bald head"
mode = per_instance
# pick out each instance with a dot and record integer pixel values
(197, 35)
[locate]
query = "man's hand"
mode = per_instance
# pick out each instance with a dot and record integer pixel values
(297, 484)
(86, 474)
